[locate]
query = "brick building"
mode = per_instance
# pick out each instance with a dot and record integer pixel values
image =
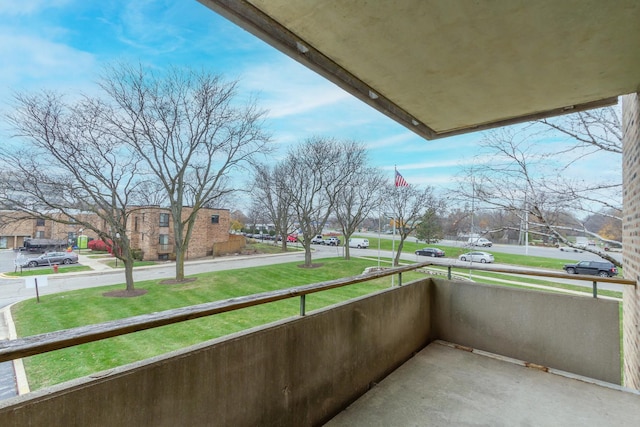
(631, 236)
(150, 229)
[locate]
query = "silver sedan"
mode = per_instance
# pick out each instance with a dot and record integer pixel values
(482, 257)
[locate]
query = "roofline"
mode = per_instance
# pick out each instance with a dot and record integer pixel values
(264, 27)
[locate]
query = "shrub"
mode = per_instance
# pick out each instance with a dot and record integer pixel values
(99, 245)
(137, 254)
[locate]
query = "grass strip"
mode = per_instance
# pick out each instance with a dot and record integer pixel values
(88, 306)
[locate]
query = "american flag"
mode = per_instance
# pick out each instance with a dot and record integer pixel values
(400, 182)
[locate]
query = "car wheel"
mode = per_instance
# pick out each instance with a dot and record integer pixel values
(33, 264)
(463, 258)
(603, 274)
(66, 261)
(482, 260)
(571, 270)
(432, 255)
(359, 247)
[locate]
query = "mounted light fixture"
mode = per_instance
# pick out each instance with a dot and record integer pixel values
(373, 95)
(301, 48)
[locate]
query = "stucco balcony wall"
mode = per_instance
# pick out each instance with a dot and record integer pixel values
(304, 370)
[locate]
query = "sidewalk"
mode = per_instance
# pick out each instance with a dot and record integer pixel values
(13, 379)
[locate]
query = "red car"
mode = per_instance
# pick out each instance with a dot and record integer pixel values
(292, 238)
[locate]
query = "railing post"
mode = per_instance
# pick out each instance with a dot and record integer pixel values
(449, 272)
(399, 279)
(302, 305)
(595, 289)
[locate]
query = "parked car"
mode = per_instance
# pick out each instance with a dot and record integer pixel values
(49, 258)
(331, 241)
(482, 257)
(596, 268)
(317, 240)
(356, 242)
(433, 252)
(479, 241)
(292, 238)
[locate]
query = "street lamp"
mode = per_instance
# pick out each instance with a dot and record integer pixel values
(115, 247)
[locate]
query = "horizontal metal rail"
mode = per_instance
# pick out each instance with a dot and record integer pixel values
(37, 344)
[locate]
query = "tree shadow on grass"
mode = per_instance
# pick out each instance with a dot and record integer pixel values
(124, 293)
(311, 266)
(178, 282)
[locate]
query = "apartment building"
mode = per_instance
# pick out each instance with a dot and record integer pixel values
(150, 229)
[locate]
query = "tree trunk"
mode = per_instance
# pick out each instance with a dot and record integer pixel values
(396, 259)
(307, 255)
(179, 265)
(128, 274)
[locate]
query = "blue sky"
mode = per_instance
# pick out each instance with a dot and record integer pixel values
(62, 45)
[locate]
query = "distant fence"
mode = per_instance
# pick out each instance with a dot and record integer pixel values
(235, 244)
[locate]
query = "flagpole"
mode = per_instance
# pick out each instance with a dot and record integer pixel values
(393, 240)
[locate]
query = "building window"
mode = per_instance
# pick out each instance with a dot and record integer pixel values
(215, 219)
(135, 224)
(39, 222)
(163, 241)
(40, 234)
(164, 220)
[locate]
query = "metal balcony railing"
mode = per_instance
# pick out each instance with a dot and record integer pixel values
(37, 344)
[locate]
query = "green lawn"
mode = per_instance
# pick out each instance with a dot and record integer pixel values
(39, 271)
(88, 306)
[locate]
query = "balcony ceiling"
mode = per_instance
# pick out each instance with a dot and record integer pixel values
(444, 67)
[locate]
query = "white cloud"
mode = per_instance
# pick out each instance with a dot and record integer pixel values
(288, 89)
(33, 60)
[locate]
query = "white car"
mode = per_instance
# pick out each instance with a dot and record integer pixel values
(479, 241)
(482, 257)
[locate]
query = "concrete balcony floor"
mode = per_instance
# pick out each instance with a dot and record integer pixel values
(444, 385)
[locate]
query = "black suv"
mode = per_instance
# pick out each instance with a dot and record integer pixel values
(596, 268)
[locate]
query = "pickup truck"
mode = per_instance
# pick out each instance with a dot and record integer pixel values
(331, 241)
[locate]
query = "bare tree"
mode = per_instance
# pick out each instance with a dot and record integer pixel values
(596, 130)
(68, 162)
(407, 205)
(273, 199)
(188, 130)
(525, 181)
(319, 170)
(355, 203)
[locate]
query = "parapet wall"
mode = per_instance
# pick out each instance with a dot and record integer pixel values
(304, 370)
(569, 333)
(298, 372)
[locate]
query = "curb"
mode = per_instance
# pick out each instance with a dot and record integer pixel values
(22, 383)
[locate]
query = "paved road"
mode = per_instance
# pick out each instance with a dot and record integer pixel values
(545, 252)
(14, 290)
